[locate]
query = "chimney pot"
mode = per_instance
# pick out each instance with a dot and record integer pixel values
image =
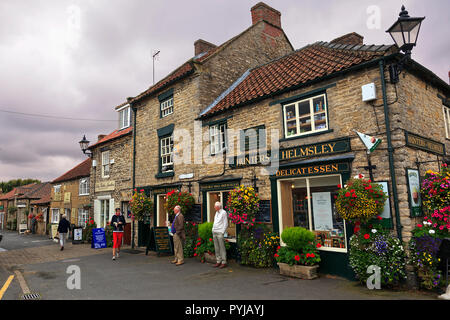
(262, 11)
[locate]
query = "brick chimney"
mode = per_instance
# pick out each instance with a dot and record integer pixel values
(201, 46)
(349, 38)
(100, 137)
(262, 11)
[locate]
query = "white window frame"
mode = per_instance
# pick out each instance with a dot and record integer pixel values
(83, 189)
(105, 165)
(311, 116)
(446, 112)
(166, 152)
(54, 218)
(83, 216)
(124, 117)
(218, 138)
(57, 188)
(311, 228)
(166, 106)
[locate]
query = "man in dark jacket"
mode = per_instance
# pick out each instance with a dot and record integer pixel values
(179, 236)
(63, 229)
(118, 223)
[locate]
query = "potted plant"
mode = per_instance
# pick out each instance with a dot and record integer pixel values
(300, 257)
(204, 248)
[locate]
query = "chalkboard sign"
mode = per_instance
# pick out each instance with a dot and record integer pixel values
(263, 214)
(98, 238)
(162, 240)
(195, 214)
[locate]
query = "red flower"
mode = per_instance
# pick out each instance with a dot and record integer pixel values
(195, 254)
(366, 236)
(379, 218)
(297, 258)
(278, 248)
(354, 195)
(276, 255)
(347, 194)
(339, 186)
(210, 239)
(318, 245)
(307, 255)
(312, 255)
(419, 225)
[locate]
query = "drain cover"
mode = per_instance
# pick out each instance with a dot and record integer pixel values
(31, 296)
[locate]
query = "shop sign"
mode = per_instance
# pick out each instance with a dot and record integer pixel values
(162, 239)
(66, 197)
(226, 185)
(313, 170)
(162, 190)
(98, 238)
(57, 196)
(416, 141)
(105, 186)
(413, 184)
(293, 153)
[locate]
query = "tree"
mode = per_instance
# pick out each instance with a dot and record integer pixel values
(7, 186)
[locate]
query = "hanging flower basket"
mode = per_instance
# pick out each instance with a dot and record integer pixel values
(141, 205)
(242, 206)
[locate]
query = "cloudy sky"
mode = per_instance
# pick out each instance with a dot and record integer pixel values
(78, 59)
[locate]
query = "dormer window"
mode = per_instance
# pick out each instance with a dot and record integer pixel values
(124, 117)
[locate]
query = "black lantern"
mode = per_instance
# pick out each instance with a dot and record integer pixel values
(404, 32)
(84, 143)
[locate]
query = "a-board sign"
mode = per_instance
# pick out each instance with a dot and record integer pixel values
(195, 214)
(98, 238)
(263, 214)
(77, 235)
(162, 240)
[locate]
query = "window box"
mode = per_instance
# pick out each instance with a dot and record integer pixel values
(297, 271)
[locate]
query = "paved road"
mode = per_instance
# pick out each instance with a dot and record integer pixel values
(12, 240)
(137, 276)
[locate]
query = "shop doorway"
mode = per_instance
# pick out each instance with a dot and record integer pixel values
(162, 216)
(222, 197)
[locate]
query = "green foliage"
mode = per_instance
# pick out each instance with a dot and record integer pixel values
(11, 184)
(205, 230)
(374, 245)
(191, 229)
(12, 210)
(87, 231)
(207, 245)
(297, 238)
(109, 235)
(141, 205)
(176, 198)
(257, 248)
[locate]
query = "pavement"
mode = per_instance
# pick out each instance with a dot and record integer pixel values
(40, 267)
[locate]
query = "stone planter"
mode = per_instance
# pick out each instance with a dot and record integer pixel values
(297, 271)
(210, 258)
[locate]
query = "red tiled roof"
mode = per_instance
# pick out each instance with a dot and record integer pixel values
(8, 195)
(81, 170)
(113, 135)
(42, 194)
(19, 191)
(311, 62)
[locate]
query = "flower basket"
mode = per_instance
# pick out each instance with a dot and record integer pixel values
(298, 271)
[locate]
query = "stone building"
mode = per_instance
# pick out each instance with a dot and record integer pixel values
(111, 173)
(41, 207)
(165, 113)
(70, 195)
(310, 102)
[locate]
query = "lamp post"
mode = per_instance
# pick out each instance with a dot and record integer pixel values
(404, 32)
(84, 143)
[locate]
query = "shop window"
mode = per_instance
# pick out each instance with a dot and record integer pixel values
(217, 138)
(83, 216)
(305, 116)
(310, 203)
(446, 111)
(166, 154)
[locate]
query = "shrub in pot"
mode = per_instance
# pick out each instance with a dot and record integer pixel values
(300, 257)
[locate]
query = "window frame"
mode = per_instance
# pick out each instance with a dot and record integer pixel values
(222, 138)
(311, 116)
(165, 105)
(82, 221)
(86, 188)
(58, 214)
(170, 154)
(57, 188)
(122, 123)
(446, 113)
(107, 164)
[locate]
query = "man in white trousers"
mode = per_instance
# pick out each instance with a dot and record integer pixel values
(219, 227)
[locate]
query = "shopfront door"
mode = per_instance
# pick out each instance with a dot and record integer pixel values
(222, 197)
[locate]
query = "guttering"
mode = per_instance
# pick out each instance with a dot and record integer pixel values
(390, 152)
(134, 163)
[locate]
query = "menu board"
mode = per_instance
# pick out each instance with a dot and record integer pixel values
(162, 239)
(412, 176)
(195, 214)
(321, 205)
(263, 214)
(98, 238)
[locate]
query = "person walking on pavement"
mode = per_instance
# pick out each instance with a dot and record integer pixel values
(179, 236)
(118, 223)
(219, 227)
(63, 229)
(33, 224)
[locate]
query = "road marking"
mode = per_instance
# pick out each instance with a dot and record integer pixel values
(40, 240)
(6, 285)
(22, 282)
(71, 260)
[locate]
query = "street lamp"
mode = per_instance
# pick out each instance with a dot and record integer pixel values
(404, 32)
(84, 143)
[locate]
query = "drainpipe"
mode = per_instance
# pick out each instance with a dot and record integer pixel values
(134, 165)
(390, 152)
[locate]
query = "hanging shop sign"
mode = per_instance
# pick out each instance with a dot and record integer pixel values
(418, 142)
(370, 142)
(292, 153)
(313, 170)
(413, 183)
(105, 186)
